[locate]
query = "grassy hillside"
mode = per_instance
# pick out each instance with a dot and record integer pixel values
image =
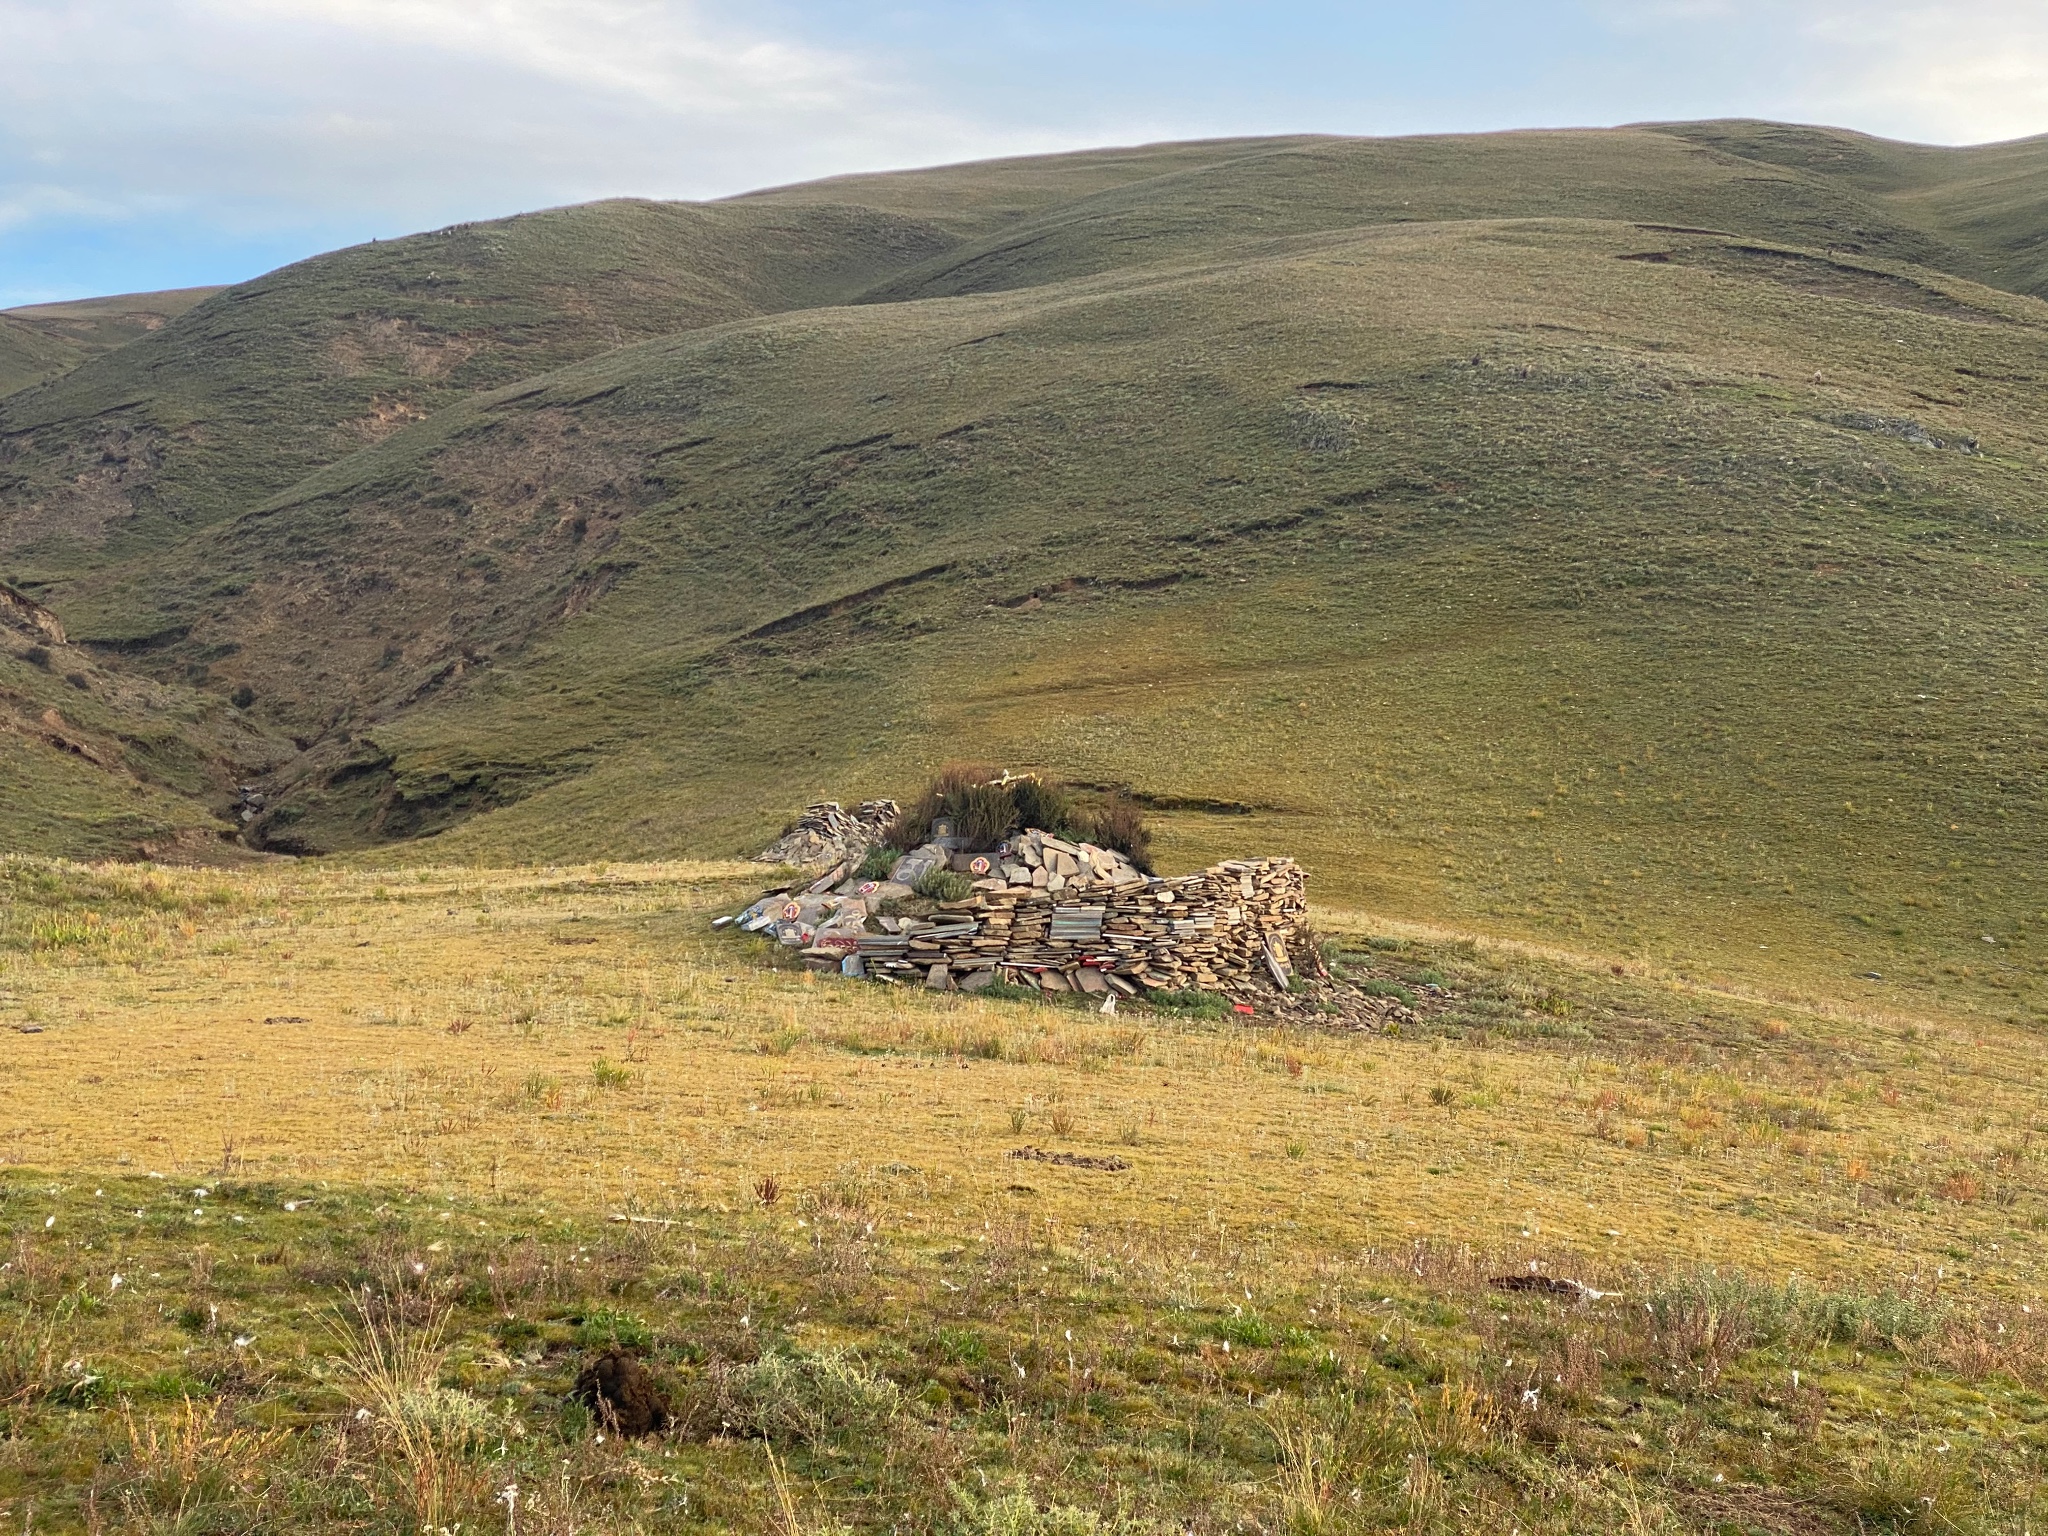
(1987, 200)
(1268, 190)
(265, 382)
(97, 762)
(41, 341)
(1615, 625)
(1482, 530)
(28, 355)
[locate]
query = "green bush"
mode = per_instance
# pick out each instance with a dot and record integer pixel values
(1044, 805)
(1198, 1005)
(1391, 989)
(797, 1395)
(1116, 822)
(1248, 1330)
(607, 1328)
(1747, 1311)
(944, 885)
(941, 797)
(1896, 1489)
(984, 814)
(985, 808)
(876, 863)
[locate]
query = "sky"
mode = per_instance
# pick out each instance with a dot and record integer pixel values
(150, 144)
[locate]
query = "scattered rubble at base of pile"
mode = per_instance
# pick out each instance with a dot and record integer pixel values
(1066, 918)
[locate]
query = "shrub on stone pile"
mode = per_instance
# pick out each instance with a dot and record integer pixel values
(913, 823)
(985, 808)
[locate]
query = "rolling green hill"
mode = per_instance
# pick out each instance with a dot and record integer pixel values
(266, 381)
(1630, 540)
(1989, 201)
(41, 341)
(29, 356)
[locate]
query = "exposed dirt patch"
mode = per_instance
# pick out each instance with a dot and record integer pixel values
(388, 344)
(387, 416)
(87, 481)
(1069, 1159)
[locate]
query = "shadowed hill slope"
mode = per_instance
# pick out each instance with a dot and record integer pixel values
(1651, 563)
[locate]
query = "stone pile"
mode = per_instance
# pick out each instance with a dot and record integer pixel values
(827, 833)
(1062, 916)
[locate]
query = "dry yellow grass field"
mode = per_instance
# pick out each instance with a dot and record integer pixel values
(581, 1036)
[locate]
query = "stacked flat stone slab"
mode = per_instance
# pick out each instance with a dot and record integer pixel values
(1065, 917)
(827, 833)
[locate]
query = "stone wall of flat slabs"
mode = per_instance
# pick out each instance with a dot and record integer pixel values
(1070, 917)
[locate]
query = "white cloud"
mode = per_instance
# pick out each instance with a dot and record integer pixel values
(420, 110)
(1965, 71)
(669, 55)
(1936, 71)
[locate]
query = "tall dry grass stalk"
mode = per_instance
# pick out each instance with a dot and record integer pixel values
(194, 1460)
(1306, 1478)
(787, 1518)
(393, 1372)
(28, 1357)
